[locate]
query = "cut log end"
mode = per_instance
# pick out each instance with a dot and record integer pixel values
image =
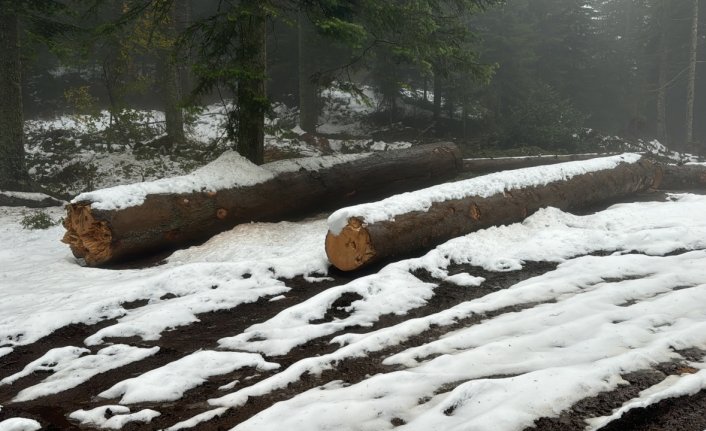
(351, 249)
(88, 238)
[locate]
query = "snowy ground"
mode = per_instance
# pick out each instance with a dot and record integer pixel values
(626, 295)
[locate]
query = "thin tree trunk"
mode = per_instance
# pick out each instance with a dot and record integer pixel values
(173, 116)
(308, 87)
(691, 82)
(437, 100)
(662, 76)
(252, 97)
(13, 175)
(182, 20)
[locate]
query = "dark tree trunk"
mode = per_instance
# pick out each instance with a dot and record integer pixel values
(173, 116)
(691, 78)
(182, 20)
(361, 243)
(13, 174)
(167, 221)
(437, 97)
(308, 87)
(662, 75)
(252, 98)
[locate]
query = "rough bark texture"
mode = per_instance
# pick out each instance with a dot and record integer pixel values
(252, 98)
(482, 166)
(12, 163)
(683, 177)
(360, 244)
(169, 221)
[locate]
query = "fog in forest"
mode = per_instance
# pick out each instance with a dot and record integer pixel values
(513, 77)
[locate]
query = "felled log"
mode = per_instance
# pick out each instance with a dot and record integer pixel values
(497, 164)
(683, 177)
(403, 224)
(30, 200)
(290, 188)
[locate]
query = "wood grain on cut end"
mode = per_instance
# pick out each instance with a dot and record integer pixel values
(88, 238)
(351, 249)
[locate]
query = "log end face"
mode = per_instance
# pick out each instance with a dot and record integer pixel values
(88, 238)
(352, 248)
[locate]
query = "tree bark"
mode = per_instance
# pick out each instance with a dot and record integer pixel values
(173, 116)
(252, 98)
(360, 243)
(308, 87)
(13, 174)
(691, 79)
(167, 221)
(685, 177)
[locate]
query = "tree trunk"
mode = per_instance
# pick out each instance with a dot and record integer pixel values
(173, 116)
(13, 175)
(359, 243)
(252, 98)
(182, 20)
(437, 98)
(691, 79)
(662, 75)
(308, 86)
(166, 221)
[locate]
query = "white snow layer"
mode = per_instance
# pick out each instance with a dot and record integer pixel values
(169, 382)
(19, 424)
(232, 268)
(71, 373)
(482, 186)
(118, 416)
(230, 170)
(611, 315)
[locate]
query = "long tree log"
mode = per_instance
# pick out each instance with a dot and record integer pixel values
(403, 224)
(497, 164)
(167, 221)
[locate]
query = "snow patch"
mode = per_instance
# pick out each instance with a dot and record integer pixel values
(112, 417)
(169, 382)
(19, 424)
(69, 374)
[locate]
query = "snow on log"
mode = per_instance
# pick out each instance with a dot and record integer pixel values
(31, 200)
(497, 164)
(408, 222)
(123, 222)
(684, 177)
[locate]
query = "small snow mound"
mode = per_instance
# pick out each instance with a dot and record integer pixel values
(19, 424)
(117, 416)
(228, 171)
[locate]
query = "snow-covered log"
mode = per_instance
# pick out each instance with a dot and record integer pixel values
(126, 221)
(497, 164)
(684, 177)
(405, 223)
(30, 200)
